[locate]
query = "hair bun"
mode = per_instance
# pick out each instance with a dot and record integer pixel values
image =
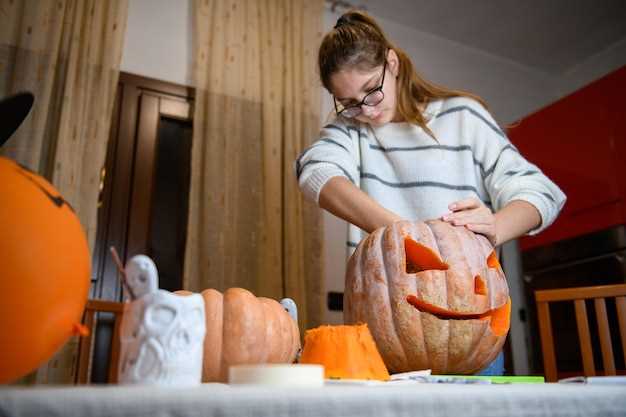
(341, 21)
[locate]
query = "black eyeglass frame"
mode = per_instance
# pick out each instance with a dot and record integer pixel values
(363, 102)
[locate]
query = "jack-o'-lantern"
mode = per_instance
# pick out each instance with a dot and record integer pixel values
(433, 295)
(44, 271)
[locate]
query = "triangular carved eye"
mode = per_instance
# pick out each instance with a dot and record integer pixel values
(492, 260)
(421, 258)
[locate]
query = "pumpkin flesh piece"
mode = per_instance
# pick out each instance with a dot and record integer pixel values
(346, 352)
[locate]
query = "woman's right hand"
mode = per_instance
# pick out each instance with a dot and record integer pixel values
(348, 202)
(474, 215)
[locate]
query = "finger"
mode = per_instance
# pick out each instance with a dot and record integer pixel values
(465, 204)
(466, 221)
(484, 229)
(467, 216)
(482, 214)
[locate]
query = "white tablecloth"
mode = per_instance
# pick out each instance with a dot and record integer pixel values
(337, 401)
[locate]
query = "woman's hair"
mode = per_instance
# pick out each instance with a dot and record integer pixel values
(358, 42)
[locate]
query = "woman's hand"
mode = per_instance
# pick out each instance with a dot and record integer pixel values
(475, 216)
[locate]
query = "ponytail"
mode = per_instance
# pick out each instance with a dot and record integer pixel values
(415, 92)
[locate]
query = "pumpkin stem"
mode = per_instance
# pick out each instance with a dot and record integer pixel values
(421, 258)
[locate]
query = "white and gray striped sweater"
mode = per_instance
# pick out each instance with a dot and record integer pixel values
(405, 170)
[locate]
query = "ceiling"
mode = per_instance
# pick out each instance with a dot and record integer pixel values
(547, 35)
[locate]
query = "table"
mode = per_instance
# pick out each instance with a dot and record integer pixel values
(337, 401)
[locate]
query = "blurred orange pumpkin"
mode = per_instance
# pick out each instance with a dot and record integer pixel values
(45, 271)
(244, 329)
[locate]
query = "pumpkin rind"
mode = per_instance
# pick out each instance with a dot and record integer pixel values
(213, 339)
(377, 287)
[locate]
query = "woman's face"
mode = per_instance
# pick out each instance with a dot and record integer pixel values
(351, 85)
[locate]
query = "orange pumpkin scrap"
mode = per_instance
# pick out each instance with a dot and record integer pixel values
(347, 352)
(244, 329)
(434, 297)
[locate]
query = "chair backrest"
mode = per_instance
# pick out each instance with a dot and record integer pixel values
(85, 351)
(578, 295)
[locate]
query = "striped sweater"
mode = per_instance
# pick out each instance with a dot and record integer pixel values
(405, 170)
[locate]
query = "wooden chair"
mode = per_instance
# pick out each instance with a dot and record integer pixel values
(85, 350)
(578, 296)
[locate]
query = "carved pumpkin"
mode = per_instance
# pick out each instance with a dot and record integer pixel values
(434, 297)
(244, 329)
(347, 352)
(45, 275)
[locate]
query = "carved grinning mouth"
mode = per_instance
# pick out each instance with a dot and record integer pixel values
(443, 313)
(421, 258)
(498, 317)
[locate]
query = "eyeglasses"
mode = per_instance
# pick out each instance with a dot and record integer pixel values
(372, 98)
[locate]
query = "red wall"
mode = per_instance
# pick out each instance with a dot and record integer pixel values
(580, 143)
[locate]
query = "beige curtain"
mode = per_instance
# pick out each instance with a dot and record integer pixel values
(257, 106)
(67, 53)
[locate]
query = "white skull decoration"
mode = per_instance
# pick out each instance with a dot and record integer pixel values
(162, 334)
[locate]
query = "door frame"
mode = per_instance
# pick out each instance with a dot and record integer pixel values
(125, 190)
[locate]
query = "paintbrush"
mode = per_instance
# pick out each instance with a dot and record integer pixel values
(122, 272)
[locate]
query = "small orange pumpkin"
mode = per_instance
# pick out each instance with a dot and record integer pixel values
(347, 352)
(244, 329)
(434, 297)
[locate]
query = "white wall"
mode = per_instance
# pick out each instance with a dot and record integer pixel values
(158, 40)
(510, 89)
(600, 64)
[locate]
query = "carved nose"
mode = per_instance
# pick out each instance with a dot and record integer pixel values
(479, 285)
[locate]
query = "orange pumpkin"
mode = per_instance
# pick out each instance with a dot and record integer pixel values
(45, 264)
(347, 352)
(244, 329)
(434, 297)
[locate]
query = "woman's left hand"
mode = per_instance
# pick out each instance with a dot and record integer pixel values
(474, 215)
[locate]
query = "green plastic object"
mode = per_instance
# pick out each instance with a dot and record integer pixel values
(495, 379)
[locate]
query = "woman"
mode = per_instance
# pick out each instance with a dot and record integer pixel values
(402, 148)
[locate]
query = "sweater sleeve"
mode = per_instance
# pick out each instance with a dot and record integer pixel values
(507, 175)
(334, 154)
